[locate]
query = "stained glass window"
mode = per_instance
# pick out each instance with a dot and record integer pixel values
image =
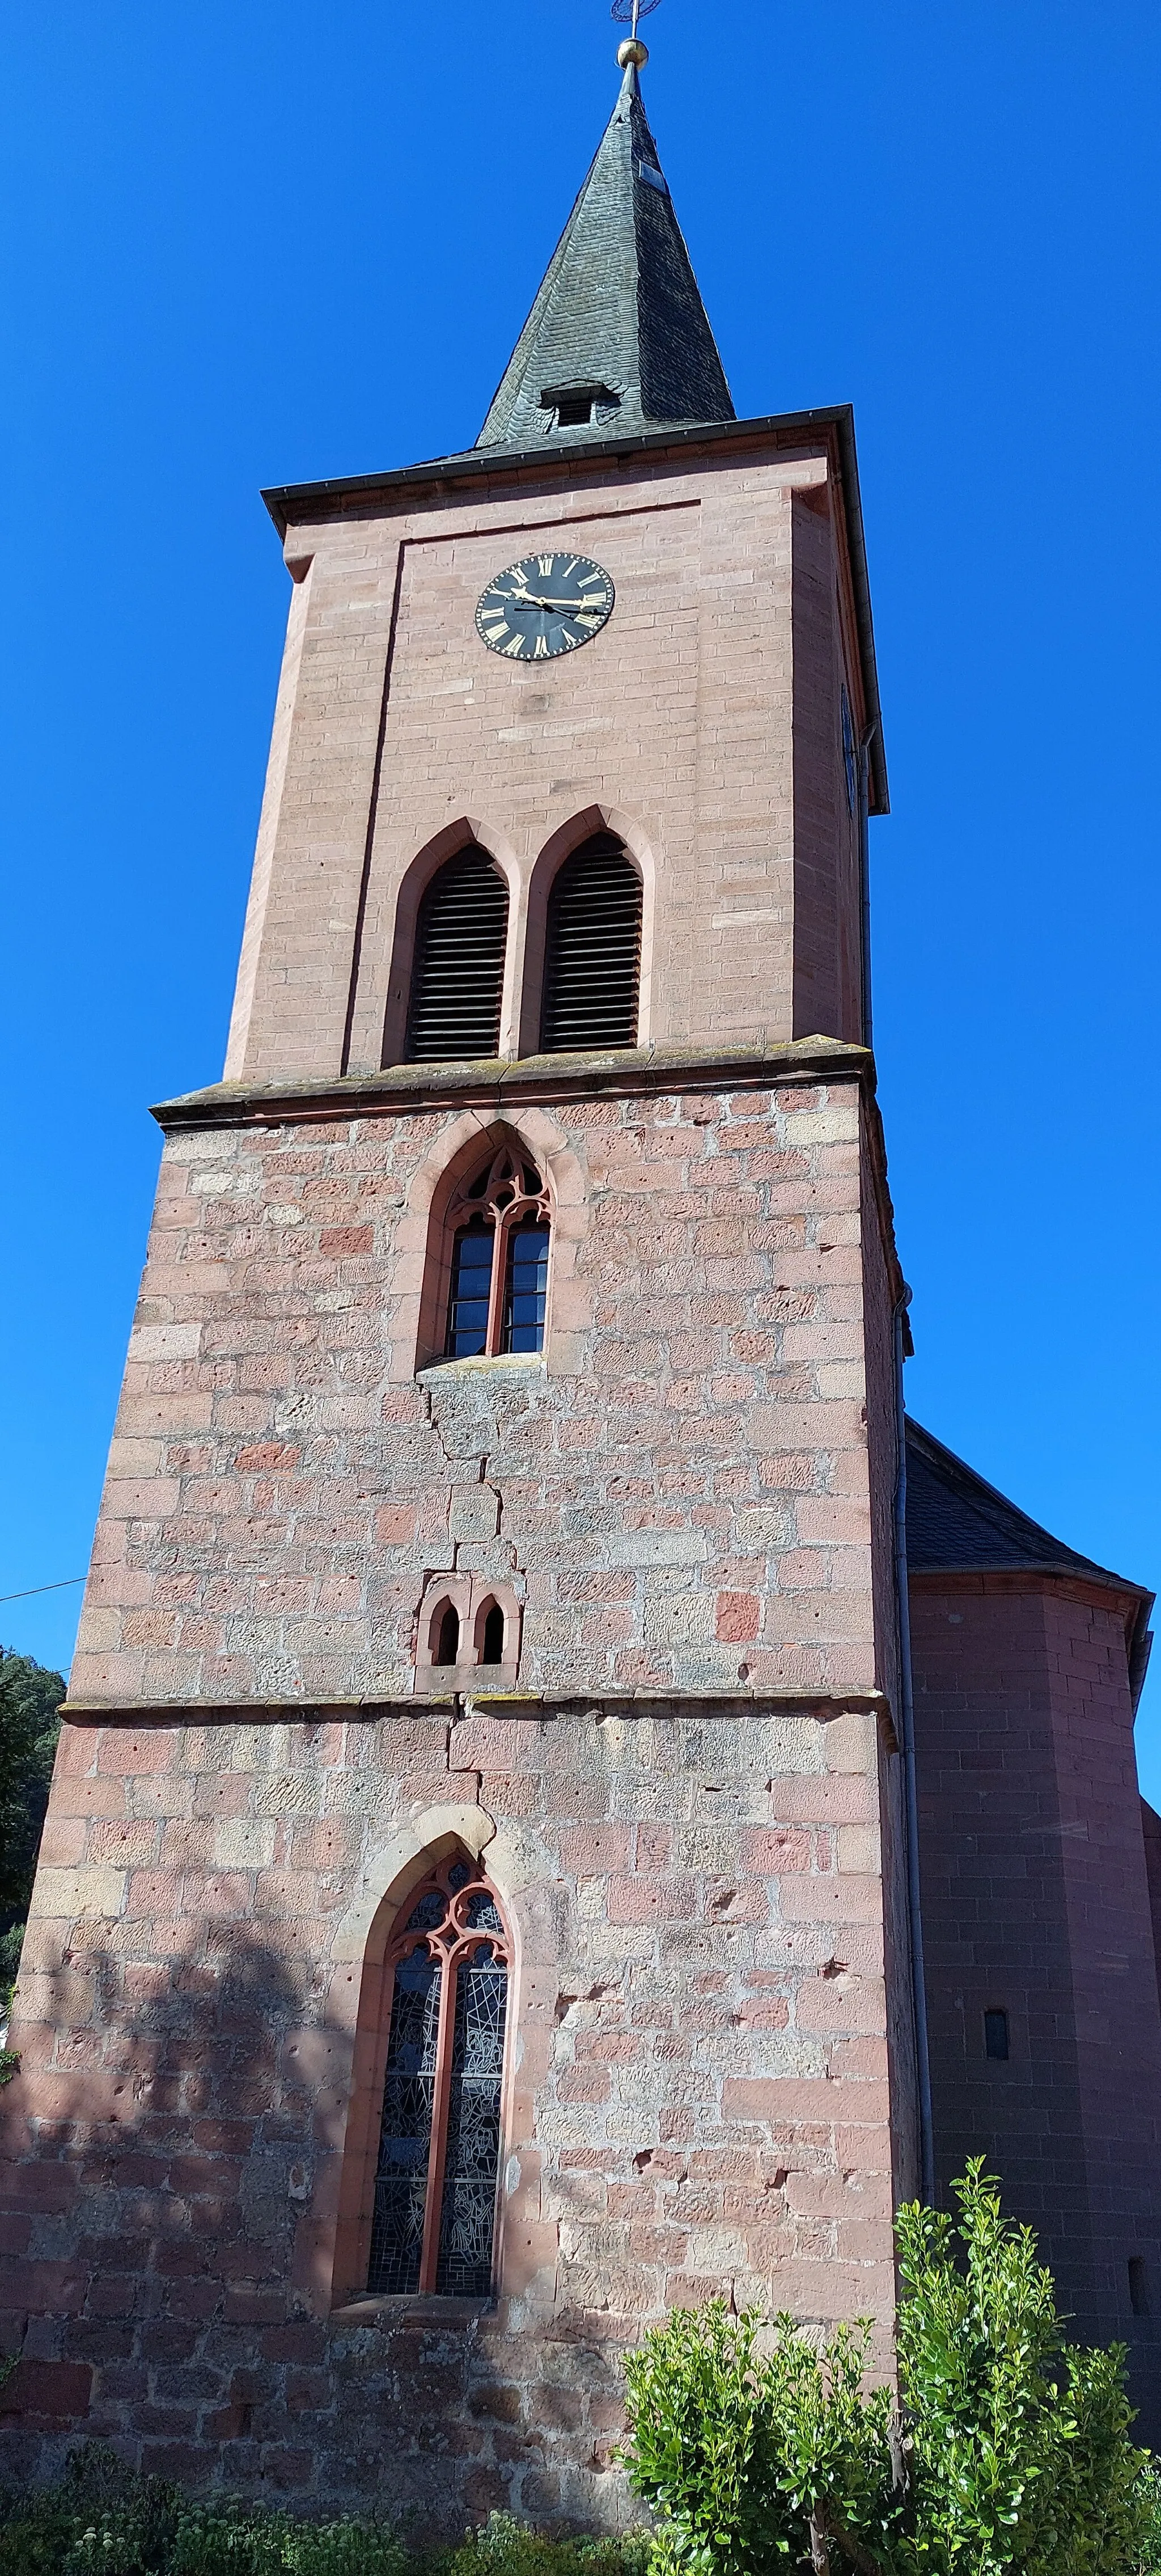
(499, 1224)
(471, 1290)
(526, 1288)
(439, 2151)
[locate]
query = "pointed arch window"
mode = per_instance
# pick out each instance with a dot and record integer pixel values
(437, 2178)
(499, 1226)
(593, 950)
(458, 973)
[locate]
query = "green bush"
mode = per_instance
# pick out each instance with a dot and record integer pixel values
(505, 2547)
(1022, 2457)
(246, 2541)
(102, 2520)
(1149, 2505)
(1012, 2452)
(740, 2450)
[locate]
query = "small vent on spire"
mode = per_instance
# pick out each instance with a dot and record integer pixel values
(574, 405)
(593, 964)
(459, 962)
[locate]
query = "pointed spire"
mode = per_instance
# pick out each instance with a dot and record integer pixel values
(618, 336)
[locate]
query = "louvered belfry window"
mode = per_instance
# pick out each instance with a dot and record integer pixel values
(593, 952)
(434, 2221)
(458, 975)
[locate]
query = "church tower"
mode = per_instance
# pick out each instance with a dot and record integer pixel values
(473, 1914)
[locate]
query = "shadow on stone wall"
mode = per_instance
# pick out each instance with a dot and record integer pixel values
(164, 2149)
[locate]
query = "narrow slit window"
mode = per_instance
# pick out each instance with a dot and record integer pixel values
(996, 2034)
(458, 975)
(493, 1638)
(447, 1643)
(498, 1287)
(434, 2222)
(593, 951)
(1139, 2300)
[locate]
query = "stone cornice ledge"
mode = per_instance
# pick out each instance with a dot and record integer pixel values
(501, 1704)
(491, 1081)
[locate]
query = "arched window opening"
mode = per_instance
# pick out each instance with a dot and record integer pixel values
(458, 975)
(593, 951)
(500, 1230)
(436, 2181)
(492, 1641)
(447, 1641)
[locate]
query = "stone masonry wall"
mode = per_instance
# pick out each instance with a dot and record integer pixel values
(698, 2097)
(1151, 1827)
(677, 1491)
(682, 724)
(683, 1799)
(1036, 1901)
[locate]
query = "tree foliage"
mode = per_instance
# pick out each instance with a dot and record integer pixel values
(1022, 2450)
(1011, 2450)
(30, 1695)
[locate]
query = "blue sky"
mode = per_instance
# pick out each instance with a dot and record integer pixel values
(251, 246)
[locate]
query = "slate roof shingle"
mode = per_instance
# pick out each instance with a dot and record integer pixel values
(618, 308)
(957, 1524)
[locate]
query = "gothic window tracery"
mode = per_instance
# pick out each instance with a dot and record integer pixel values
(439, 2152)
(499, 1225)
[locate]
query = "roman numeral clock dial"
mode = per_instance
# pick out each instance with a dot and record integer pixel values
(544, 605)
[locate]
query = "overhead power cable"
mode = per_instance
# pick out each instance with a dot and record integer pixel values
(33, 1588)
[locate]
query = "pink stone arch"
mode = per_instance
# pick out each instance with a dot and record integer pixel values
(422, 1253)
(424, 866)
(569, 836)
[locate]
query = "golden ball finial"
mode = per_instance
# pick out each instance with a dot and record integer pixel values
(632, 51)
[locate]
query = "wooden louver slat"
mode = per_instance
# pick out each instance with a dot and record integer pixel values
(593, 961)
(459, 962)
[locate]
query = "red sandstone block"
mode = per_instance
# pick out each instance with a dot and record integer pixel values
(343, 1242)
(48, 2392)
(62, 1842)
(249, 2303)
(832, 1900)
(771, 2012)
(592, 1849)
(841, 2005)
(739, 1617)
(583, 2084)
(650, 1900)
(492, 1744)
(776, 1849)
(124, 1843)
(138, 1749)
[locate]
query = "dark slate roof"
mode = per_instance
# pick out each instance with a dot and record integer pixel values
(956, 1523)
(619, 308)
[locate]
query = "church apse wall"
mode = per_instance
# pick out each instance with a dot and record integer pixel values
(1042, 2002)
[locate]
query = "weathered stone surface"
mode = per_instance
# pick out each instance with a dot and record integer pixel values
(699, 2096)
(280, 1548)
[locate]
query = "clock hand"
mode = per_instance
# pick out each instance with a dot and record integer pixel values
(570, 606)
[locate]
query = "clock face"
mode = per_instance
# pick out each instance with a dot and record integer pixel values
(544, 605)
